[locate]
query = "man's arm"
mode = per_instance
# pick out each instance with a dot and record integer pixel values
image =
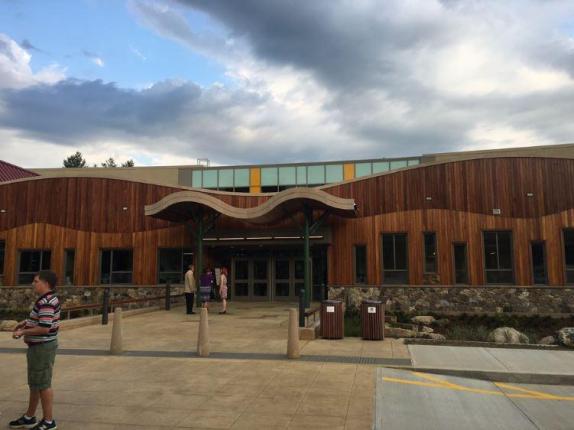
(33, 331)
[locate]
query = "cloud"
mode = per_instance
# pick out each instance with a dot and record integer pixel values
(171, 117)
(324, 79)
(138, 53)
(15, 69)
(94, 58)
(28, 46)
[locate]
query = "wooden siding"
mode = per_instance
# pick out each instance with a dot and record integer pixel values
(87, 214)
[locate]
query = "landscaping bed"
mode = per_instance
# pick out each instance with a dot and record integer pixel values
(463, 328)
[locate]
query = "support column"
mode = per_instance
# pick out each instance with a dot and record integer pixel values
(306, 254)
(199, 255)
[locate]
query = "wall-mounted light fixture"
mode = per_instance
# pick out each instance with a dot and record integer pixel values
(125, 208)
(496, 212)
(2, 211)
(529, 194)
(428, 198)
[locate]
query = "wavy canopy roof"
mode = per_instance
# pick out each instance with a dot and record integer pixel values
(180, 206)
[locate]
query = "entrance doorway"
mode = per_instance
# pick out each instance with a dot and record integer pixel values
(267, 278)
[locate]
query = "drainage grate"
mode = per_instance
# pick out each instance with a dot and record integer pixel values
(402, 362)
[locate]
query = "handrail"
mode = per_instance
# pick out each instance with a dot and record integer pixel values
(462, 287)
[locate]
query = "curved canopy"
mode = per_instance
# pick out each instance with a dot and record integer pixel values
(180, 206)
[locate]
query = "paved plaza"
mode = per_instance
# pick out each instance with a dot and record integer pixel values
(162, 384)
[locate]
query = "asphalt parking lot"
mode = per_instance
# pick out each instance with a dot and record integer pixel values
(413, 400)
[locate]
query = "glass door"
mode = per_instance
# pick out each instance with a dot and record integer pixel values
(283, 286)
(260, 279)
(240, 283)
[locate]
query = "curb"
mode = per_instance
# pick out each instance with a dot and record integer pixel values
(509, 377)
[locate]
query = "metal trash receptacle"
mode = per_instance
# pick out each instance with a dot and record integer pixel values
(332, 319)
(372, 320)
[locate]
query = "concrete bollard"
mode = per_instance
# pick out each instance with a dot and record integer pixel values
(203, 336)
(116, 344)
(293, 335)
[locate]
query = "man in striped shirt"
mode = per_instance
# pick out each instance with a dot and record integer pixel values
(40, 332)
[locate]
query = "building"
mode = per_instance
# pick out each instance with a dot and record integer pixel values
(483, 217)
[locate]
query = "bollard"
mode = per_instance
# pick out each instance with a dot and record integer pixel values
(167, 296)
(106, 306)
(116, 344)
(293, 335)
(203, 336)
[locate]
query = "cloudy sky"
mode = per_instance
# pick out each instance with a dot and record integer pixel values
(250, 81)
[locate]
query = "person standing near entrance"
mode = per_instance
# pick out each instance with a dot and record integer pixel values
(205, 286)
(40, 333)
(223, 289)
(189, 290)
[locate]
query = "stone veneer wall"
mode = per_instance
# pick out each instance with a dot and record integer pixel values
(22, 298)
(462, 299)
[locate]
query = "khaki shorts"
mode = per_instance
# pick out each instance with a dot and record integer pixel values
(41, 359)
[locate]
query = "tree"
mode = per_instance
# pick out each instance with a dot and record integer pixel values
(75, 160)
(129, 163)
(110, 162)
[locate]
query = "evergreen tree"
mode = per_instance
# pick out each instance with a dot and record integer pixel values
(110, 162)
(75, 160)
(129, 163)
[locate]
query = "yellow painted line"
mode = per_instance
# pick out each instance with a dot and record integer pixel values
(540, 394)
(441, 383)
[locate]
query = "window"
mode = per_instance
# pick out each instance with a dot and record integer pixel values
(2, 252)
(116, 266)
(334, 173)
(380, 166)
(538, 253)
(363, 169)
(413, 162)
(430, 252)
(460, 263)
(316, 175)
(196, 179)
(31, 262)
(210, 178)
(69, 261)
(226, 179)
(241, 179)
(395, 258)
(287, 176)
(397, 164)
(360, 259)
(569, 255)
(169, 266)
(498, 257)
(301, 175)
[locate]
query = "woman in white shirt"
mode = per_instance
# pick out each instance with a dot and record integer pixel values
(223, 289)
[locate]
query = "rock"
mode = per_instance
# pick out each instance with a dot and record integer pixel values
(8, 325)
(425, 329)
(548, 340)
(433, 336)
(399, 332)
(566, 337)
(507, 335)
(426, 320)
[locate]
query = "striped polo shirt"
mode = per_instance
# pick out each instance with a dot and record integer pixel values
(46, 313)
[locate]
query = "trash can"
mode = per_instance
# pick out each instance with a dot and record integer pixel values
(332, 324)
(373, 320)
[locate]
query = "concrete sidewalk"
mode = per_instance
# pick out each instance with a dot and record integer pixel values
(496, 364)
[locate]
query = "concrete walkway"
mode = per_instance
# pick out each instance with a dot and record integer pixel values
(413, 400)
(180, 390)
(500, 364)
